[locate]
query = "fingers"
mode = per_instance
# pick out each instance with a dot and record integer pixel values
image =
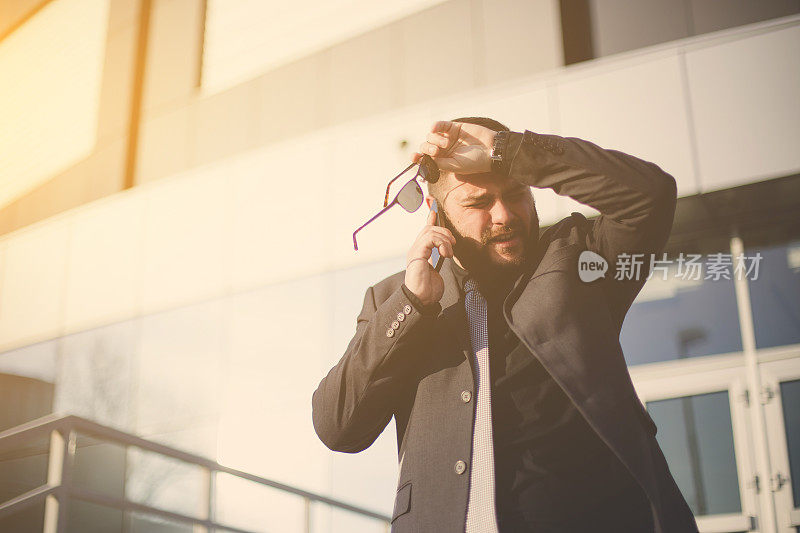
(445, 249)
(441, 126)
(437, 139)
(452, 129)
(442, 138)
(429, 149)
(431, 220)
(444, 233)
(444, 246)
(429, 238)
(435, 236)
(441, 238)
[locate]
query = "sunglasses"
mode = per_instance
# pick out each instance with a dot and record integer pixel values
(410, 195)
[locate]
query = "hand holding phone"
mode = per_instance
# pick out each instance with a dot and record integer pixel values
(432, 245)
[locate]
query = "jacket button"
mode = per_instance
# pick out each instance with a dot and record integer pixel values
(466, 396)
(390, 333)
(460, 467)
(407, 309)
(395, 324)
(401, 316)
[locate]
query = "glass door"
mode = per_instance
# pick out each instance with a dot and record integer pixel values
(703, 431)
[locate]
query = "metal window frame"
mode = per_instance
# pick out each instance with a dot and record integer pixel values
(775, 372)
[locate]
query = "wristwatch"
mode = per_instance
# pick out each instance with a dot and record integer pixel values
(499, 150)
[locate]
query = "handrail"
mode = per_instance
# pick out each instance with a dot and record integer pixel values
(63, 430)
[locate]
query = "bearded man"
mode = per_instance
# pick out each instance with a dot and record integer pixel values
(514, 408)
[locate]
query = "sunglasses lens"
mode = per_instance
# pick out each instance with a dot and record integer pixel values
(428, 169)
(410, 196)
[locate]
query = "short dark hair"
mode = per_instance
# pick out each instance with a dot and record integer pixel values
(434, 189)
(490, 123)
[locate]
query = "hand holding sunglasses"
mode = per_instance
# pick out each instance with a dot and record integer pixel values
(459, 147)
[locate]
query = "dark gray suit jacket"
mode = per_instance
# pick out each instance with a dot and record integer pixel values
(418, 371)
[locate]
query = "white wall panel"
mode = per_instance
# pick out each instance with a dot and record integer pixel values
(520, 107)
(32, 289)
(281, 211)
(745, 101)
(531, 29)
(187, 250)
(637, 107)
(244, 38)
(105, 262)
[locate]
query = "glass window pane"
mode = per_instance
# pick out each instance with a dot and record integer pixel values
(26, 519)
(180, 367)
(97, 380)
(27, 383)
(165, 483)
(22, 468)
(329, 519)
(790, 398)
(696, 436)
(676, 316)
(248, 505)
(775, 295)
(100, 466)
(92, 518)
(144, 523)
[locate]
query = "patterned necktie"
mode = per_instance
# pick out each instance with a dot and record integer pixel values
(481, 517)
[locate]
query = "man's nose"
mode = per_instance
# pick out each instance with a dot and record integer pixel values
(501, 214)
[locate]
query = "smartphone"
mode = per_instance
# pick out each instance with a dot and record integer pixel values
(436, 259)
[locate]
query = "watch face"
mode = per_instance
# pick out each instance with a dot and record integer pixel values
(499, 145)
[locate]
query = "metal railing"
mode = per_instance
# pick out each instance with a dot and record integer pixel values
(59, 488)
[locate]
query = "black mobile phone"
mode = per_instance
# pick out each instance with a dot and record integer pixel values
(436, 258)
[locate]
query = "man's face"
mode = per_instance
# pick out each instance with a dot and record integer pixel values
(491, 218)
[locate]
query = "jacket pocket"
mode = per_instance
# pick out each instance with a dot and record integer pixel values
(402, 502)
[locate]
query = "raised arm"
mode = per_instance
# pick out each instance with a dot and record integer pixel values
(636, 200)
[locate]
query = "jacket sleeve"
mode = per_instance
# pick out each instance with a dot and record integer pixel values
(357, 398)
(636, 200)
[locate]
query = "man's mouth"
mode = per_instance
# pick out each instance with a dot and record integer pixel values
(507, 238)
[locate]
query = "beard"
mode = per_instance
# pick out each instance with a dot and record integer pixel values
(475, 255)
